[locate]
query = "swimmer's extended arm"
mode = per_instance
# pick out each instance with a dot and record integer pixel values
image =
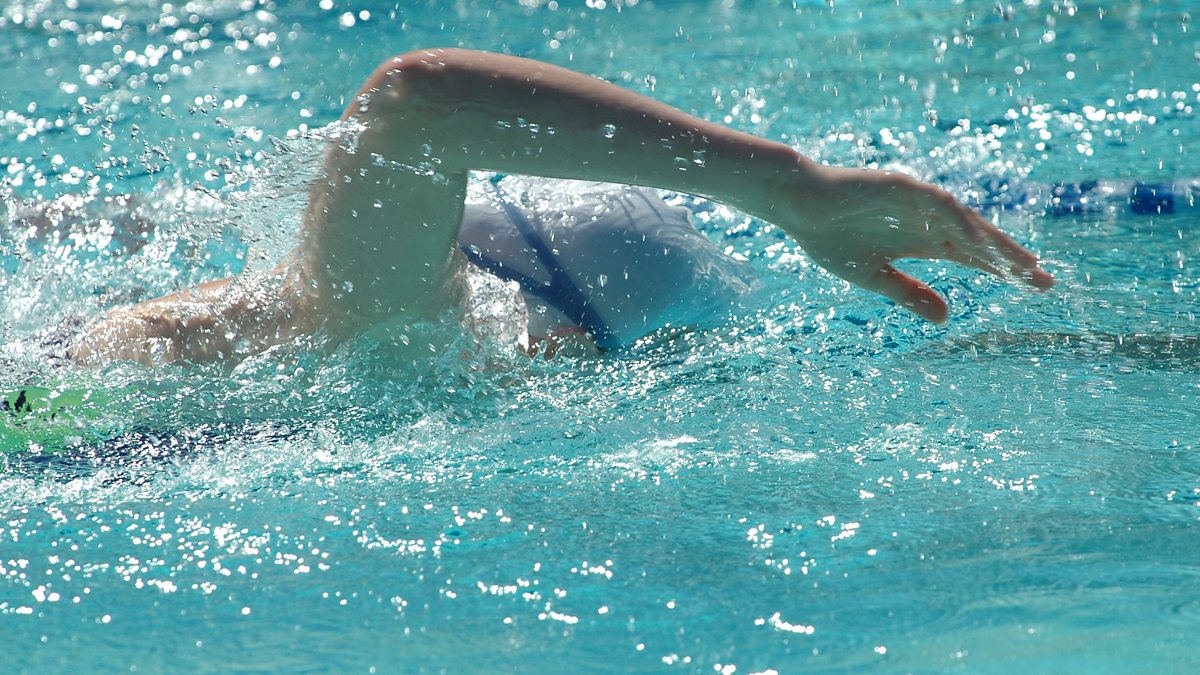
(444, 112)
(381, 223)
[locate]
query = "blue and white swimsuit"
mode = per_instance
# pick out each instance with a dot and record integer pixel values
(615, 261)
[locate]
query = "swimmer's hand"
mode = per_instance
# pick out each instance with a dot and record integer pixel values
(855, 222)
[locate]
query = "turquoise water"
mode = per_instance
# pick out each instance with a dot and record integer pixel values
(826, 483)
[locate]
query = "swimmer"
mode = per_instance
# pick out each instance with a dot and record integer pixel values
(384, 220)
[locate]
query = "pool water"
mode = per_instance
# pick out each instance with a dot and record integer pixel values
(823, 483)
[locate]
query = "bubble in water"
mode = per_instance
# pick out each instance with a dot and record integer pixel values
(608, 130)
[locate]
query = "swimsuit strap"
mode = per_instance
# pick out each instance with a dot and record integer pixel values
(560, 292)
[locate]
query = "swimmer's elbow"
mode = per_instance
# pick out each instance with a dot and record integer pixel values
(423, 73)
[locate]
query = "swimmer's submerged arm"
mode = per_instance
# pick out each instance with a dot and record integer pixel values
(379, 229)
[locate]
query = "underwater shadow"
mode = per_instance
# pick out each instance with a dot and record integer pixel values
(1168, 352)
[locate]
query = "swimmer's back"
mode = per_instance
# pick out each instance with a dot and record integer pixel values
(637, 263)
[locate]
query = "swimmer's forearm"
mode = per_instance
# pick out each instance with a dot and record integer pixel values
(483, 111)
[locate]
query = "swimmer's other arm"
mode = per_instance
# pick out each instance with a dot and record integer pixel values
(380, 224)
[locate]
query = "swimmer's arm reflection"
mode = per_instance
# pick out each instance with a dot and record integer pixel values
(381, 222)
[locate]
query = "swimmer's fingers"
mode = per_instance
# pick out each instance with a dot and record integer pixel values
(908, 292)
(954, 254)
(1022, 263)
(986, 248)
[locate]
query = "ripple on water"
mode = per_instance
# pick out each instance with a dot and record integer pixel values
(1122, 352)
(1183, 610)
